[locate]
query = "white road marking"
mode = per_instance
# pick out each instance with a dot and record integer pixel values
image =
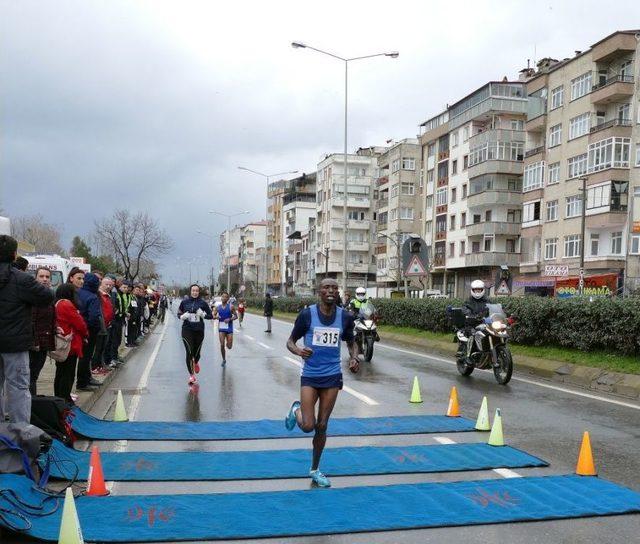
(264, 345)
(524, 380)
(249, 337)
(345, 388)
(504, 472)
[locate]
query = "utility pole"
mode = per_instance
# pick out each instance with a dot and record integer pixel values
(582, 234)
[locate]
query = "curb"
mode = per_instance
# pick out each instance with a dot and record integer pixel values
(585, 377)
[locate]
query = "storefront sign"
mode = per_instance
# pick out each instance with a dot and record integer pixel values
(603, 285)
(556, 270)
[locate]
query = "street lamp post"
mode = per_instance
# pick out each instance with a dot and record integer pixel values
(228, 216)
(266, 243)
(393, 55)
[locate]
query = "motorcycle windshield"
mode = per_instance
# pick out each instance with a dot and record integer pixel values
(496, 313)
(367, 310)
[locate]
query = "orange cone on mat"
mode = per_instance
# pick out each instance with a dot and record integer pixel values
(454, 409)
(586, 466)
(95, 482)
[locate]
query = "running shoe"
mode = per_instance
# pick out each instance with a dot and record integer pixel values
(319, 479)
(192, 379)
(196, 367)
(290, 420)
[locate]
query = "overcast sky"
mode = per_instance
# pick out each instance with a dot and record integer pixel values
(152, 105)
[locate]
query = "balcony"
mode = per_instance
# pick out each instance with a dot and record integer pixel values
(606, 220)
(443, 181)
(534, 151)
(617, 45)
(501, 228)
(352, 202)
(383, 203)
(494, 197)
(382, 180)
(441, 209)
(357, 224)
(496, 167)
(620, 128)
(614, 89)
(439, 260)
(536, 114)
(496, 135)
(382, 225)
(442, 235)
(492, 258)
(443, 155)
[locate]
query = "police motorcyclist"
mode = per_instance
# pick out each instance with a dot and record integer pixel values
(356, 303)
(474, 307)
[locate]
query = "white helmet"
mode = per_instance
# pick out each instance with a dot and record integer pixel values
(477, 289)
(361, 294)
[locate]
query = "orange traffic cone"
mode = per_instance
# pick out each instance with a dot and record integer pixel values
(586, 466)
(454, 409)
(95, 483)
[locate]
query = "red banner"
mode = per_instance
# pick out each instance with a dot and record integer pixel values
(603, 285)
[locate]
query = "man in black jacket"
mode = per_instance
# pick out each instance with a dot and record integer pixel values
(475, 307)
(18, 293)
(268, 310)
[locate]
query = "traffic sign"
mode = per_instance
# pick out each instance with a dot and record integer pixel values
(503, 288)
(556, 270)
(415, 268)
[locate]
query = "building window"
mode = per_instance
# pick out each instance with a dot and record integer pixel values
(638, 153)
(475, 247)
(554, 173)
(579, 126)
(581, 86)
(395, 165)
(454, 193)
(465, 133)
(555, 135)
(552, 210)
(487, 216)
(635, 244)
(609, 153)
(514, 216)
(452, 222)
(533, 176)
(598, 197)
(488, 243)
(452, 249)
(517, 124)
(431, 150)
(408, 163)
(531, 211)
(462, 248)
(441, 197)
(454, 167)
(616, 243)
(407, 189)
(463, 220)
(464, 191)
(430, 174)
(501, 151)
(574, 206)
(406, 213)
(577, 166)
(465, 162)
(454, 139)
(394, 190)
(572, 245)
(428, 226)
(510, 245)
(595, 243)
(557, 97)
(476, 218)
(393, 215)
(550, 248)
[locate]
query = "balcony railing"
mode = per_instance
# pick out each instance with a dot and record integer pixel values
(439, 260)
(383, 202)
(611, 123)
(614, 79)
(533, 151)
(382, 180)
(441, 235)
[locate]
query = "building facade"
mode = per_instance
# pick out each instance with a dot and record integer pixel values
(253, 238)
(583, 130)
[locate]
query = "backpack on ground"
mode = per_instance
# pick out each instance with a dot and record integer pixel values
(51, 414)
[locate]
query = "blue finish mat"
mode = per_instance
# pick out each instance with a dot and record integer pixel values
(139, 518)
(91, 427)
(248, 465)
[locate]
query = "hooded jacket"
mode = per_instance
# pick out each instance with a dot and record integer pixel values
(90, 307)
(477, 307)
(18, 292)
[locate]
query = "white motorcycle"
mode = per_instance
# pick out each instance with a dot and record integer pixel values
(366, 330)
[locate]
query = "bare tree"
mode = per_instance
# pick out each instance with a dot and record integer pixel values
(33, 229)
(132, 239)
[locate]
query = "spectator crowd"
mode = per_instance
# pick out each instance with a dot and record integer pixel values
(81, 326)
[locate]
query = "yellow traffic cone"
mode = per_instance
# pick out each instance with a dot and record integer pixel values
(586, 466)
(482, 423)
(415, 392)
(70, 531)
(496, 438)
(120, 413)
(453, 410)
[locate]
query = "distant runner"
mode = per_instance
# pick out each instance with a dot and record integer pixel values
(241, 309)
(193, 311)
(322, 326)
(225, 313)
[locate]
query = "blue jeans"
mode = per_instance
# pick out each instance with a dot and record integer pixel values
(15, 397)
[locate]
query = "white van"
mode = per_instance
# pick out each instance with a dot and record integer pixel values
(59, 266)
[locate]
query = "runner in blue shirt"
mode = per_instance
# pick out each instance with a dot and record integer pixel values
(322, 326)
(225, 313)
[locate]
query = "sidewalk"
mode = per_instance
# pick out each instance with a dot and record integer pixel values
(586, 377)
(86, 399)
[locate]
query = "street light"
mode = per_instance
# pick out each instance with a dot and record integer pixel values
(393, 55)
(213, 256)
(228, 216)
(266, 242)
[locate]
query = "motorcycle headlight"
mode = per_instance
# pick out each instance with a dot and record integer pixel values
(498, 326)
(368, 323)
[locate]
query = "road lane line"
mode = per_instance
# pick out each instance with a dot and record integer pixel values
(345, 388)
(504, 472)
(249, 337)
(523, 380)
(264, 345)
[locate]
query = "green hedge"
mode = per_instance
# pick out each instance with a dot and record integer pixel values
(604, 324)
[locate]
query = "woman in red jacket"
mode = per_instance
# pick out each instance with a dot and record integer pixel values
(69, 320)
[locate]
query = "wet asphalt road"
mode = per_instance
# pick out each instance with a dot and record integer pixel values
(260, 382)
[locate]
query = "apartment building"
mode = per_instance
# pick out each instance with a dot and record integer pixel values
(362, 170)
(399, 188)
(252, 271)
(472, 162)
(275, 254)
(583, 123)
(229, 243)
